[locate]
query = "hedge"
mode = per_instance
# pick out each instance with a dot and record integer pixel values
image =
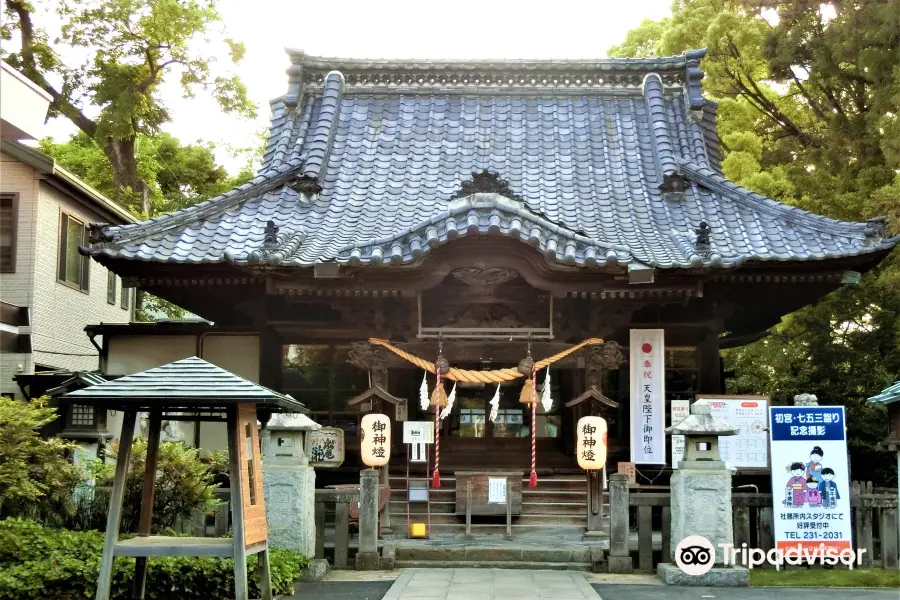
(40, 562)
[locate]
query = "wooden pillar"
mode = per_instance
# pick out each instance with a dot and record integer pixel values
(271, 354)
(711, 381)
(594, 503)
(237, 505)
(140, 566)
(114, 517)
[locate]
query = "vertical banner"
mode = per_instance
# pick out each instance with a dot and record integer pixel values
(679, 411)
(648, 437)
(810, 478)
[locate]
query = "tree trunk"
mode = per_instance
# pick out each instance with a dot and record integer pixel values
(121, 155)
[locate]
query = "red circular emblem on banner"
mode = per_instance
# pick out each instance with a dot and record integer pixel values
(647, 348)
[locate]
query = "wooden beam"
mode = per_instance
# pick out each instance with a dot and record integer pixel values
(116, 498)
(139, 584)
(237, 506)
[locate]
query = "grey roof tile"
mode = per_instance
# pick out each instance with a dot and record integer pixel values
(586, 167)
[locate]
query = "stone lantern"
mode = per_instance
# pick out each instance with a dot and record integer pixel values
(701, 498)
(289, 483)
(701, 433)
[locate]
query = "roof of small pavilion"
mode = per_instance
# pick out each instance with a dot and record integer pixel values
(188, 384)
(888, 395)
(597, 162)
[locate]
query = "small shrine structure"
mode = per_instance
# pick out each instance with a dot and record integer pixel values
(190, 389)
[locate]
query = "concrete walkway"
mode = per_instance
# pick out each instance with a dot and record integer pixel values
(490, 584)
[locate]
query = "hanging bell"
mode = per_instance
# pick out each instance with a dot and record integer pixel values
(527, 396)
(525, 366)
(439, 397)
(442, 366)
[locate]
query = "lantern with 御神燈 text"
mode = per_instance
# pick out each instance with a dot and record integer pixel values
(375, 439)
(590, 443)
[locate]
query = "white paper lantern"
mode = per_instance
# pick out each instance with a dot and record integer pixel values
(375, 440)
(590, 443)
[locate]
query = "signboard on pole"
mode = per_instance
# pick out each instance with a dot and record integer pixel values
(810, 478)
(418, 432)
(679, 411)
(749, 449)
(648, 437)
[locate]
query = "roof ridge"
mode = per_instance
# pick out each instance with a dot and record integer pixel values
(263, 182)
(720, 184)
(319, 147)
(300, 58)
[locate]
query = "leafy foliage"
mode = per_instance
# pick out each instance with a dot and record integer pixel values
(36, 477)
(38, 562)
(185, 486)
(114, 97)
(809, 114)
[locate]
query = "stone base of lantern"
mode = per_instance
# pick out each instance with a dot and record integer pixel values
(290, 506)
(731, 576)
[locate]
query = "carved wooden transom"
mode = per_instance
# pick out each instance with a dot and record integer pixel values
(489, 277)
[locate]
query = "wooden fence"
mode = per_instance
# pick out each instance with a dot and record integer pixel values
(333, 505)
(874, 518)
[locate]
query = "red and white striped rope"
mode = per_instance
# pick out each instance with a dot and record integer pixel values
(436, 474)
(532, 482)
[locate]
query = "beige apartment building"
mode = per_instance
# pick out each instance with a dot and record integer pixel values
(48, 291)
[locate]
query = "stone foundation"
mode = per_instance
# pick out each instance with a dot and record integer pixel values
(670, 574)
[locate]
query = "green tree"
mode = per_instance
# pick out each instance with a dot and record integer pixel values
(114, 98)
(36, 477)
(809, 113)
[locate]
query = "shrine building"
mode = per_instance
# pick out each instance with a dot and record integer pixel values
(481, 210)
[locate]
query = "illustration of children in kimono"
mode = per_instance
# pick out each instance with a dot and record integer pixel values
(828, 489)
(814, 466)
(795, 488)
(813, 496)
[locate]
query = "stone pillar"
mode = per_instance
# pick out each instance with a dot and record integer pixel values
(367, 557)
(289, 483)
(619, 554)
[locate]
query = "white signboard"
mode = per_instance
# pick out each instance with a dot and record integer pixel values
(750, 447)
(418, 432)
(678, 410)
(496, 490)
(647, 359)
(810, 478)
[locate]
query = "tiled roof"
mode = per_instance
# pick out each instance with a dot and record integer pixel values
(189, 383)
(592, 162)
(888, 395)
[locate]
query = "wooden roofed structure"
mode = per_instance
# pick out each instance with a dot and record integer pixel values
(189, 389)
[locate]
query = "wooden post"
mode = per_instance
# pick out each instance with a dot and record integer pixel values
(741, 525)
(237, 506)
(265, 574)
(766, 537)
(889, 538)
(468, 508)
(710, 365)
(385, 515)
(341, 533)
(320, 530)
(645, 538)
(140, 566)
(594, 502)
(114, 516)
(508, 509)
(666, 534)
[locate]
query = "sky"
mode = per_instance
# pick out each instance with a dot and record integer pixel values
(388, 29)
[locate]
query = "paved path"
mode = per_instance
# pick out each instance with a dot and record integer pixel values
(653, 592)
(490, 584)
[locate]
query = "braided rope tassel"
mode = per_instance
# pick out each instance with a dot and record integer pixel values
(436, 474)
(532, 482)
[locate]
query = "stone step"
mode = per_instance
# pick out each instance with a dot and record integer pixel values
(487, 564)
(469, 553)
(553, 508)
